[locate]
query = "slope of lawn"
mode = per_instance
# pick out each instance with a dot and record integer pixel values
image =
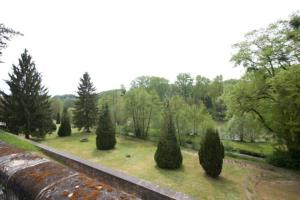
(15, 141)
(236, 181)
(258, 147)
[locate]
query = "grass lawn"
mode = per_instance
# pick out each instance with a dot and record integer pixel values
(238, 179)
(13, 140)
(259, 147)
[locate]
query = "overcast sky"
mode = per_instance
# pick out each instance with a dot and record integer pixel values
(118, 40)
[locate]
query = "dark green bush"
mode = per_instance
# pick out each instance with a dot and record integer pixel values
(58, 118)
(211, 153)
(168, 154)
(283, 159)
(106, 137)
(65, 125)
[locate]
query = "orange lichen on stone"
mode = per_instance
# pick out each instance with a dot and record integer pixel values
(8, 151)
(124, 197)
(39, 176)
(65, 193)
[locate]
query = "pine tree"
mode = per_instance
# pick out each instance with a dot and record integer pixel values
(58, 118)
(168, 154)
(211, 153)
(27, 108)
(65, 126)
(85, 113)
(106, 138)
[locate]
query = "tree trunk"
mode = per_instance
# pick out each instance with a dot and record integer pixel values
(242, 136)
(252, 137)
(178, 132)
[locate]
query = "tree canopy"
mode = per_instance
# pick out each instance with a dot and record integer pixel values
(85, 111)
(27, 108)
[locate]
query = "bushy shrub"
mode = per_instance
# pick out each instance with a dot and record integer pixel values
(168, 154)
(211, 153)
(106, 137)
(283, 159)
(65, 125)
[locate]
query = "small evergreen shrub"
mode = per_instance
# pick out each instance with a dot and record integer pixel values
(211, 153)
(168, 154)
(106, 136)
(65, 126)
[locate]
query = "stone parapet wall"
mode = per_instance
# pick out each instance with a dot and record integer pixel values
(139, 187)
(28, 176)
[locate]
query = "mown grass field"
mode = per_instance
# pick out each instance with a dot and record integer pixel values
(258, 147)
(239, 179)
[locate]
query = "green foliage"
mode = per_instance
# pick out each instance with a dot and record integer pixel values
(27, 108)
(168, 154)
(116, 102)
(200, 120)
(270, 88)
(267, 49)
(201, 91)
(155, 84)
(211, 153)
(180, 112)
(85, 112)
(61, 101)
(106, 138)
(184, 85)
(245, 127)
(141, 106)
(58, 118)
(284, 159)
(56, 107)
(65, 125)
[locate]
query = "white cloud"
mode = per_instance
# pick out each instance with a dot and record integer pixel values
(117, 40)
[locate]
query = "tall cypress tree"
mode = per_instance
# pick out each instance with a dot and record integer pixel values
(27, 108)
(211, 153)
(168, 153)
(85, 113)
(57, 118)
(106, 137)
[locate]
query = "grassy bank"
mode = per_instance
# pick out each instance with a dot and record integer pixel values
(135, 157)
(15, 141)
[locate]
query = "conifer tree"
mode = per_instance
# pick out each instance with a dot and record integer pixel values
(65, 126)
(85, 113)
(106, 138)
(58, 118)
(211, 153)
(168, 154)
(27, 108)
